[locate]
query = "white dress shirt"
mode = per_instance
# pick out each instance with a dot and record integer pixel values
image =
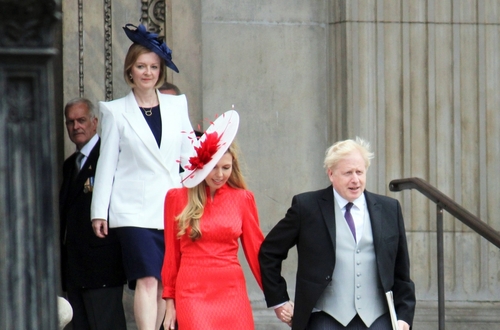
(357, 211)
(85, 151)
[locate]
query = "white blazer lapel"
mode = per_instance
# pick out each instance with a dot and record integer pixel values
(166, 121)
(172, 109)
(136, 120)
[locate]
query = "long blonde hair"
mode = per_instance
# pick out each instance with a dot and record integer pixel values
(197, 196)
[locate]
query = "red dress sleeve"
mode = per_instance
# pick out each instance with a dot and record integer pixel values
(173, 206)
(251, 237)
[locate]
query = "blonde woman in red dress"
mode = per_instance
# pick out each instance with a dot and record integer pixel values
(203, 282)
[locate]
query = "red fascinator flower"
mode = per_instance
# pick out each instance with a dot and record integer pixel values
(205, 151)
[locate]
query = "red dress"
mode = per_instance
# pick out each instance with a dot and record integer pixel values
(205, 277)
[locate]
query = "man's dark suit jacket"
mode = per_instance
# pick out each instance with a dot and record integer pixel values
(87, 261)
(310, 225)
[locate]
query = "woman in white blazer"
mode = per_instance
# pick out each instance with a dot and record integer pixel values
(144, 137)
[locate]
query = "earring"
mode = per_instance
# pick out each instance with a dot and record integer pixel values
(130, 75)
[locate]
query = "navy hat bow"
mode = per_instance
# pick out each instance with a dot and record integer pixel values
(151, 41)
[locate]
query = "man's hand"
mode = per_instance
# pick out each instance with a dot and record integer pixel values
(100, 227)
(402, 325)
(285, 312)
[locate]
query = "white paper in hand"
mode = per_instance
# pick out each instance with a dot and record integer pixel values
(392, 310)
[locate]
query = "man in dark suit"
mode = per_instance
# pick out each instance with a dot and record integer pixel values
(92, 271)
(352, 250)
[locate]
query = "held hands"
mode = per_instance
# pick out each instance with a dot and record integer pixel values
(285, 313)
(402, 325)
(170, 315)
(100, 227)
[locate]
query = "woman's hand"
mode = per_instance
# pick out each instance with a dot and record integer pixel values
(170, 315)
(285, 312)
(100, 227)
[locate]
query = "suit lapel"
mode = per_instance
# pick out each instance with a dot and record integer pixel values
(328, 211)
(376, 219)
(87, 171)
(68, 173)
(136, 120)
(374, 209)
(166, 116)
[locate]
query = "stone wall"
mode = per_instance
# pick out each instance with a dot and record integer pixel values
(419, 79)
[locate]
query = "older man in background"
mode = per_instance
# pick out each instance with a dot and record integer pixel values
(92, 271)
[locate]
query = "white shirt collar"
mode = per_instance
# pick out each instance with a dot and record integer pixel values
(359, 202)
(87, 148)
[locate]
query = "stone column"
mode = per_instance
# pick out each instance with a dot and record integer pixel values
(27, 165)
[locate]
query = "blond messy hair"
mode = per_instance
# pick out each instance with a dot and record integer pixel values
(341, 149)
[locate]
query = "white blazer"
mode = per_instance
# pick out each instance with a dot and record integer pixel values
(133, 175)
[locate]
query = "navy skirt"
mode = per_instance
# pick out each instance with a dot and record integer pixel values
(143, 250)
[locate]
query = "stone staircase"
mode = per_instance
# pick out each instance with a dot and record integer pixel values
(459, 316)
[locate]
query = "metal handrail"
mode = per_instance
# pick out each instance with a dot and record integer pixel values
(443, 202)
(476, 224)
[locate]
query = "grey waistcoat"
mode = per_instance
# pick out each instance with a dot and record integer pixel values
(355, 287)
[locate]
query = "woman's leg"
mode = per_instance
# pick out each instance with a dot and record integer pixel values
(146, 305)
(161, 306)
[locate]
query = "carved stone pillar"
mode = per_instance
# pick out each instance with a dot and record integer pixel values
(27, 165)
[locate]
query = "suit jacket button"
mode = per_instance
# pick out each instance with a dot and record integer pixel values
(328, 278)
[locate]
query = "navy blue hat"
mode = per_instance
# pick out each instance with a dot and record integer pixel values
(141, 36)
